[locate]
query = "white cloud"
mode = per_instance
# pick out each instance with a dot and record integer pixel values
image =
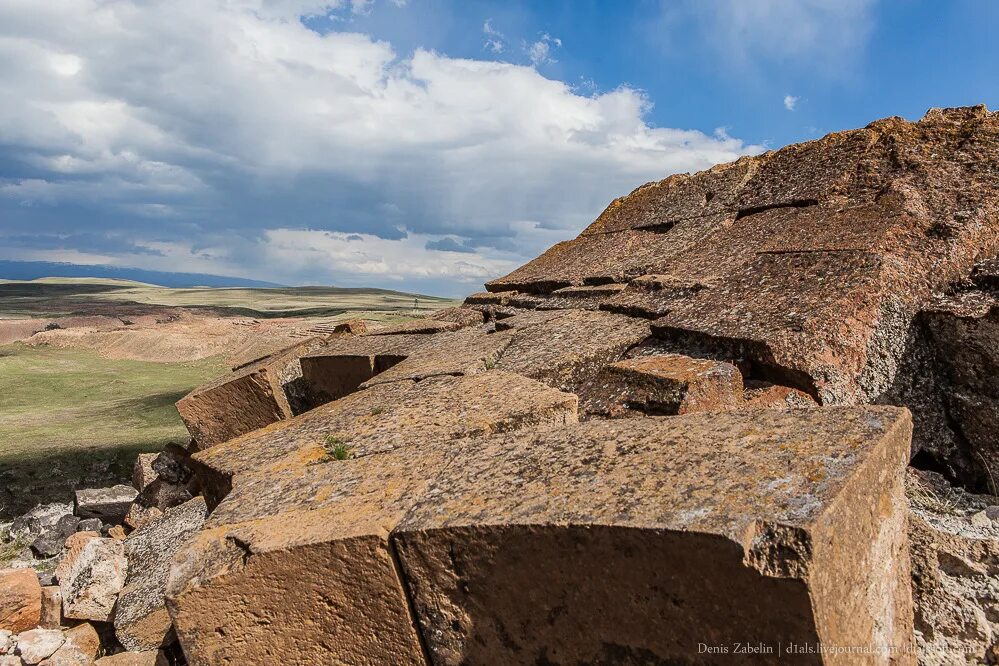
(494, 38)
(790, 102)
(242, 126)
(540, 51)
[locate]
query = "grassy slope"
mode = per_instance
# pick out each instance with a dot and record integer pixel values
(70, 417)
(60, 296)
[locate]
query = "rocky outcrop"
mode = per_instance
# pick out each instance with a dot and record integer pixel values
(682, 430)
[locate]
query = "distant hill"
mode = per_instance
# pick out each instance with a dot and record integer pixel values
(32, 270)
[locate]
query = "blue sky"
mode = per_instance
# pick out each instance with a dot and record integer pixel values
(422, 144)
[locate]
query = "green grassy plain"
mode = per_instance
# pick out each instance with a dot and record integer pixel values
(72, 418)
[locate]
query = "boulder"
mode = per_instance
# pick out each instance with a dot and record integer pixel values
(663, 385)
(148, 658)
(6, 641)
(108, 504)
(80, 649)
(162, 494)
(51, 616)
(37, 644)
(20, 601)
(91, 580)
(89, 525)
(143, 473)
(74, 546)
(38, 520)
(50, 543)
(139, 514)
(171, 466)
(141, 621)
(476, 533)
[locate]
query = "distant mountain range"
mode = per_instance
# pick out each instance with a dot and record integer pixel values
(32, 270)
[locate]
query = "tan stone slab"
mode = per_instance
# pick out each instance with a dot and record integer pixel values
(806, 319)
(310, 553)
(816, 170)
(488, 298)
(339, 367)
(571, 346)
(679, 197)
(764, 395)
(465, 352)
(634, 541)
(386, 417)
(651, 296)
(663, 385)
(253, 395)
(614, 257)
(20, 600)
(233, 405)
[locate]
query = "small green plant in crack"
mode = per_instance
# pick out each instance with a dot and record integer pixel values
(375, 411)
(490, 363)
(336, 448)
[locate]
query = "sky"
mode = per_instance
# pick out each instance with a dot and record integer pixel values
(423, 145)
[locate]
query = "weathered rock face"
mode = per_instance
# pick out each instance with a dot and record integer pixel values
(140, 616)
(722, 337)
(955, 562)
(504, 511)
(20, 600)
(92, 578)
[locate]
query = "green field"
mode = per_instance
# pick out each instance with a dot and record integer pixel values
(70, 418)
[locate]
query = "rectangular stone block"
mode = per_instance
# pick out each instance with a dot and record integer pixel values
(569, 347)
(310, 553)
(386, 417)
(663, 385)
(638, 541)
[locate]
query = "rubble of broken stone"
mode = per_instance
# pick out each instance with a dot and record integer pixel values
(86, 581)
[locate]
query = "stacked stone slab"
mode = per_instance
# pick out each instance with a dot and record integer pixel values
(471, 491)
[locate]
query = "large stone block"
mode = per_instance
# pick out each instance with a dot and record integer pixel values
(571, 346)
(636, 541)
(386, 417)
(253, 395)
(92, 578)
(309, 553)
(610, 540)
(663, 385)
(140, 618)
(109, 504)
(20, 600)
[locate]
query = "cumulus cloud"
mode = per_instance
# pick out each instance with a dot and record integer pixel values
(790, 102)
(244, 133)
